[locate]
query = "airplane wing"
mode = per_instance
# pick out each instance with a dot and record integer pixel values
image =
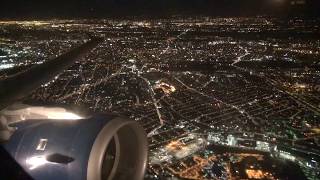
(17, 86)
(65, 146)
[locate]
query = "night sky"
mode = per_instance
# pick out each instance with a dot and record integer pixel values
(153, 8)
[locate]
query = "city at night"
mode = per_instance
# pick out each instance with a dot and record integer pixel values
(204, 89)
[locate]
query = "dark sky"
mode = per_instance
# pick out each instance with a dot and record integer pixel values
(122, 8)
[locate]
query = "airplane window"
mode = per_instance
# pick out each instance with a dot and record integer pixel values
(219, 89)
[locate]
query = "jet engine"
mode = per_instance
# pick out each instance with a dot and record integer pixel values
(104, 146)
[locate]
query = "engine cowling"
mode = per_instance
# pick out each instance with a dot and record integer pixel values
(100, 147)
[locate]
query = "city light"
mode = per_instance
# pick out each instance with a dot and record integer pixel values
(6, 66)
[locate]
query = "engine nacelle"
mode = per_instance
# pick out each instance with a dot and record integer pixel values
(100, 147)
